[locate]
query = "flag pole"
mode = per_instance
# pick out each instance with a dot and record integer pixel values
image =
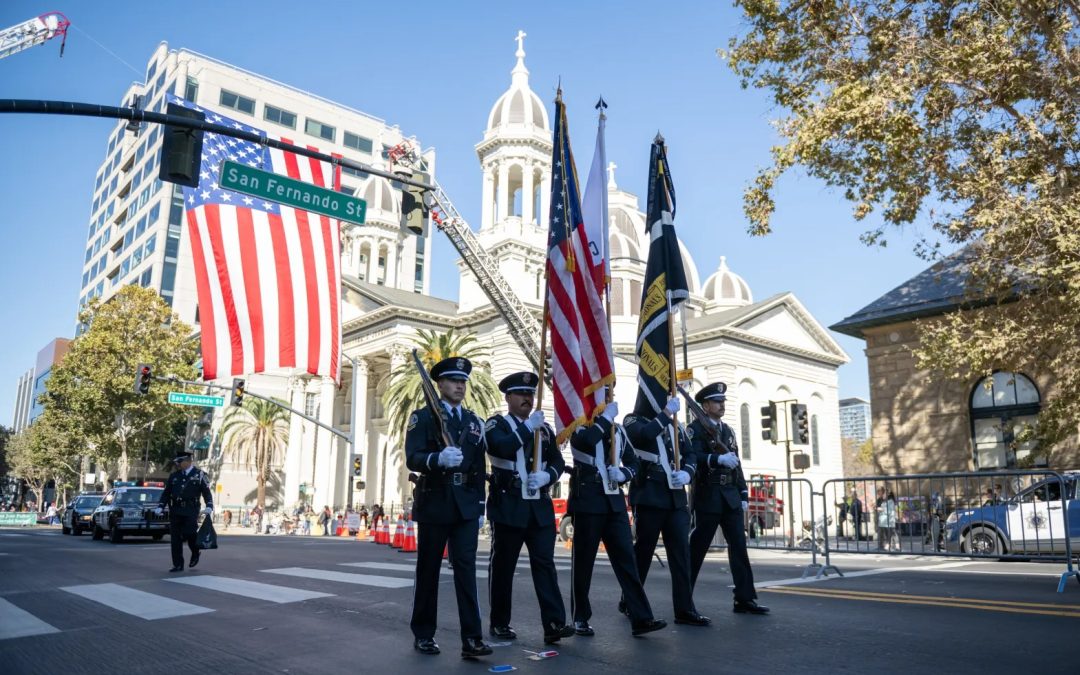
(672, 388)
(613, 451)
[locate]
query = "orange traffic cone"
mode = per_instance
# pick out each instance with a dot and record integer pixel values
(383, 537)
(409, 545)
(399, 535)
(446, 552)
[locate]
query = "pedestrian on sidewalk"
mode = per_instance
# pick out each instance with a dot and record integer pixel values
(226, 518)
(324, 520)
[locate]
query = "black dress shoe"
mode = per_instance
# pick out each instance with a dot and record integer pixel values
(583, 629)
(692, 619)
(750, 607)
(503, 632)
(647, 626)
(473, 647)
(194, 560)
(623, 609)
(554, 634)
(426, 646)
(177, 568)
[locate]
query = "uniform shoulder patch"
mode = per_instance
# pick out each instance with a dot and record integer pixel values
(491, 424)
(690, 432)
(629, 419)
(413, 419)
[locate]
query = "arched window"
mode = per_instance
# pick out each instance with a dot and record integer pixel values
(815, 447)
(744, 427)
(1004, 408)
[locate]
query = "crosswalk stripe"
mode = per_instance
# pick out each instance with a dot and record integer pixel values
(12, 534)
(134, 602)
(404, 567)
(17, 622)
(344, 577)
(250, 589)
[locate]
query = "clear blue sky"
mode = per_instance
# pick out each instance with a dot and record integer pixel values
(435, 69)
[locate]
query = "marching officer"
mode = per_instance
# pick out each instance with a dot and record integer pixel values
(447, 505)
(720, 497)
(599, 516)
(516, 520)
(661, 508)
(181, 495)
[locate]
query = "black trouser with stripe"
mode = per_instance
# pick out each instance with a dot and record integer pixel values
(182, 529)
(430, 541)
(674, 524)
(731, 522)
(505, 548)
(613, 529)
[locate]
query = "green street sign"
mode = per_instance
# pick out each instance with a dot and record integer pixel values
(181, 398)
(284, 190)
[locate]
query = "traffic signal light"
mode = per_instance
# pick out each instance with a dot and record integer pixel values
(768, 422)
(237, 391)
(800, 424)
(414, 205)
(357, 466)
(181, 149)
(143, 375)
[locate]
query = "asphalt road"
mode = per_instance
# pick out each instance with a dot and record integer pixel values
(266, 604)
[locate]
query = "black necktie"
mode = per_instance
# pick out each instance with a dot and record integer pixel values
(456, 414)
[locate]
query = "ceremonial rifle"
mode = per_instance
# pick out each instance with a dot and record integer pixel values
(714, 441)
(432, 399)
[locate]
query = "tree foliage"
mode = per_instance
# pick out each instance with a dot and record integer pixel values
(47, 450)
(962, 115)
(404, 394)
(92, 389)
(256, 435)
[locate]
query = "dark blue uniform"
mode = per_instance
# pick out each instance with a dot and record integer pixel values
(597, 517)
(658, 509)
(516, 521)
(718, 496)
(447, 505)
(181, 496)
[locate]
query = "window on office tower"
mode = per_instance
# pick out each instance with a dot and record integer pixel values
(237, 102)
(279, 116)
(319, 130)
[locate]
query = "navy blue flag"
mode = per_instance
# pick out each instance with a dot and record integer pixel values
(665, 287)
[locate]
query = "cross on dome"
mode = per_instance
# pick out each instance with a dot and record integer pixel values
(611, 166)
(520, 73)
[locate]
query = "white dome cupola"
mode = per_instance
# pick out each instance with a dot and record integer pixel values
(725, 288)
(519, 108)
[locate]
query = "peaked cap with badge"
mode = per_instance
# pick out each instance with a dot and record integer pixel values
(455, 367)
(521, 383)
(717, 391)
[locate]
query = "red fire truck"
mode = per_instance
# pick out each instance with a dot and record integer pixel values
(765, 508)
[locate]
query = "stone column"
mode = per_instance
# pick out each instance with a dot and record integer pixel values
(502, 207)
(389, 478)
(527, 189)
(545, 196)
(360, 432)
(328, 459)
(487, 207)
(373, 262)
(391, 263)
(294, 473)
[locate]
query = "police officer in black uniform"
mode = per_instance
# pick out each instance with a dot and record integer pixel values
(516, 520)
(720, 497)
(598, 516)
(447, 505)
(660, 508)
(181, 497)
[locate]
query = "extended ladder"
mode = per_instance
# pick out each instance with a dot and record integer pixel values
(33, 32)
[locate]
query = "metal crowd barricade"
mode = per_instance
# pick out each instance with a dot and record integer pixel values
(1017, 515)
(783, 514)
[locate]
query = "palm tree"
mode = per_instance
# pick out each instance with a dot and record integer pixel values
(404, 395)
(256, 434)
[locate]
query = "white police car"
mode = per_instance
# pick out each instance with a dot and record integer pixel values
(128, 509)
(1031, 523)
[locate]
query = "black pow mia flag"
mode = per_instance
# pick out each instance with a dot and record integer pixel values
(665, 287)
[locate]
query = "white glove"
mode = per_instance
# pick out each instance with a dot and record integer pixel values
(680, 479)
(615, 474)
(672, 406)
(538, 479)
(611, 411)
(450, 457)
(536, 420)
(745, 507)
(159, 510)
(727, 460)
(209, 510)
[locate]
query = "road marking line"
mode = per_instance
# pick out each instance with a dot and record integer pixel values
(17, 622)
(12, 534)
(136, 603)
(344, 577)
(901, 600)
(939, 598)
(405, 567)
(860, 573)
(250, 589)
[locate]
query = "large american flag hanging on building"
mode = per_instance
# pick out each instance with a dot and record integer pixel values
(268, 276)
(581, 352)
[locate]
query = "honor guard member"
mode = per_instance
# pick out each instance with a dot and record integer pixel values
(662, 509)
(447, 505)
(720, 497)
(181, 496)
(599, 516)
(516, 520)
